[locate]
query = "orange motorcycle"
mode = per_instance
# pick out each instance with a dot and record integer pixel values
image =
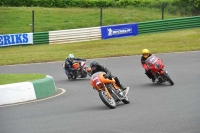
(109, 92)
(81, 69)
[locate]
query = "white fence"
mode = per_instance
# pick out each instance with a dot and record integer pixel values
(74, 35)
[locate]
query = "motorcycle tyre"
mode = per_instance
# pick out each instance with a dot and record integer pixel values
(74, 77)
(70, 76)
(102, 95)
(126, 100)
(83, 75)
(168, 78)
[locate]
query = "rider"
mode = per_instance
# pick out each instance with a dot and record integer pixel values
(145, 55)
(69, 63)
(96, 67)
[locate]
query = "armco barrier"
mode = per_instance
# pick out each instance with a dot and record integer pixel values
(74, 35)
(41, 38)
(169, 24)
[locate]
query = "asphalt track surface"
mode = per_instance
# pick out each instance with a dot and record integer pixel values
(154, 108)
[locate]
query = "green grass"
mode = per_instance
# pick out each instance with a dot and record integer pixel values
(18, 19)
(14, 78)
(171, 41)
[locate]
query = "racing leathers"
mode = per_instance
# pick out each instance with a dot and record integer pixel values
(147, 70)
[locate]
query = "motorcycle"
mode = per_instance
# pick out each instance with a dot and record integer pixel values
(109, 92)
(156, 66)
(81, 70)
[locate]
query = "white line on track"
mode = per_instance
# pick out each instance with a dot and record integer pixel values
(63, 91)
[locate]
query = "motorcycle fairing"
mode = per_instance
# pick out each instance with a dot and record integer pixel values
(97, 80)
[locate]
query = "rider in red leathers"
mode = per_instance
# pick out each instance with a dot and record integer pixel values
(145, 55)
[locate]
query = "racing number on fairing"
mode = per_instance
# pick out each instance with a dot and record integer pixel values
(96, 80)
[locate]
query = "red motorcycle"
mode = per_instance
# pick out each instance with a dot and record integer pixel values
(156, 66)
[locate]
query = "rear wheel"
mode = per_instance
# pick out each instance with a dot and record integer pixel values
(109, 102)
(168, 79)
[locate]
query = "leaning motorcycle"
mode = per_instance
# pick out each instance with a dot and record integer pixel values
(109, 92)
(81, 70)
(157, 68)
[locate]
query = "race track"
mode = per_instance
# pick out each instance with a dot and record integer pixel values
(153, 108)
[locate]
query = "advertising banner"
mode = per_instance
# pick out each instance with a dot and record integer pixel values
(116, 31)
(16, 39)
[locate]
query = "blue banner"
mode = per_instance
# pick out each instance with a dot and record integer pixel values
(16, 39)
(116, 31)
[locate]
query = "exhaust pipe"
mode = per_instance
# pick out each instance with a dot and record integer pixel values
(117, 95)
(127, 90)
(126, 93)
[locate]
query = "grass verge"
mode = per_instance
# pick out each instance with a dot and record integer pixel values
(14, 78)
(173, 41)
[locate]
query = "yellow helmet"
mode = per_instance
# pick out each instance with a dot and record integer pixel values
(145, 53)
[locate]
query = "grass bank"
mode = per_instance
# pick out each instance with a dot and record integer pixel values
(171, 41)
(14, 78)
(18, 19)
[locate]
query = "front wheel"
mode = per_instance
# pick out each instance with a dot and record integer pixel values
(109, 102)
(83, 75)
(168, 79)
(126, 100)
(74, 77)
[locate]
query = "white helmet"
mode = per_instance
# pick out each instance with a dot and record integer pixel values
(71, 57)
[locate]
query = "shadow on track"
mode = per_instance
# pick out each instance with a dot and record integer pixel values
(150, 85)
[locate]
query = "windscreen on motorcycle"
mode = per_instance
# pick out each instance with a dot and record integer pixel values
(96, 74)
(151, 60)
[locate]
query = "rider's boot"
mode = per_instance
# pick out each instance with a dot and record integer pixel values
(69, 76)
(119, 92)
(153, 79)
(72, 74)
(122, 87)
(119, 84)
(150, 75)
